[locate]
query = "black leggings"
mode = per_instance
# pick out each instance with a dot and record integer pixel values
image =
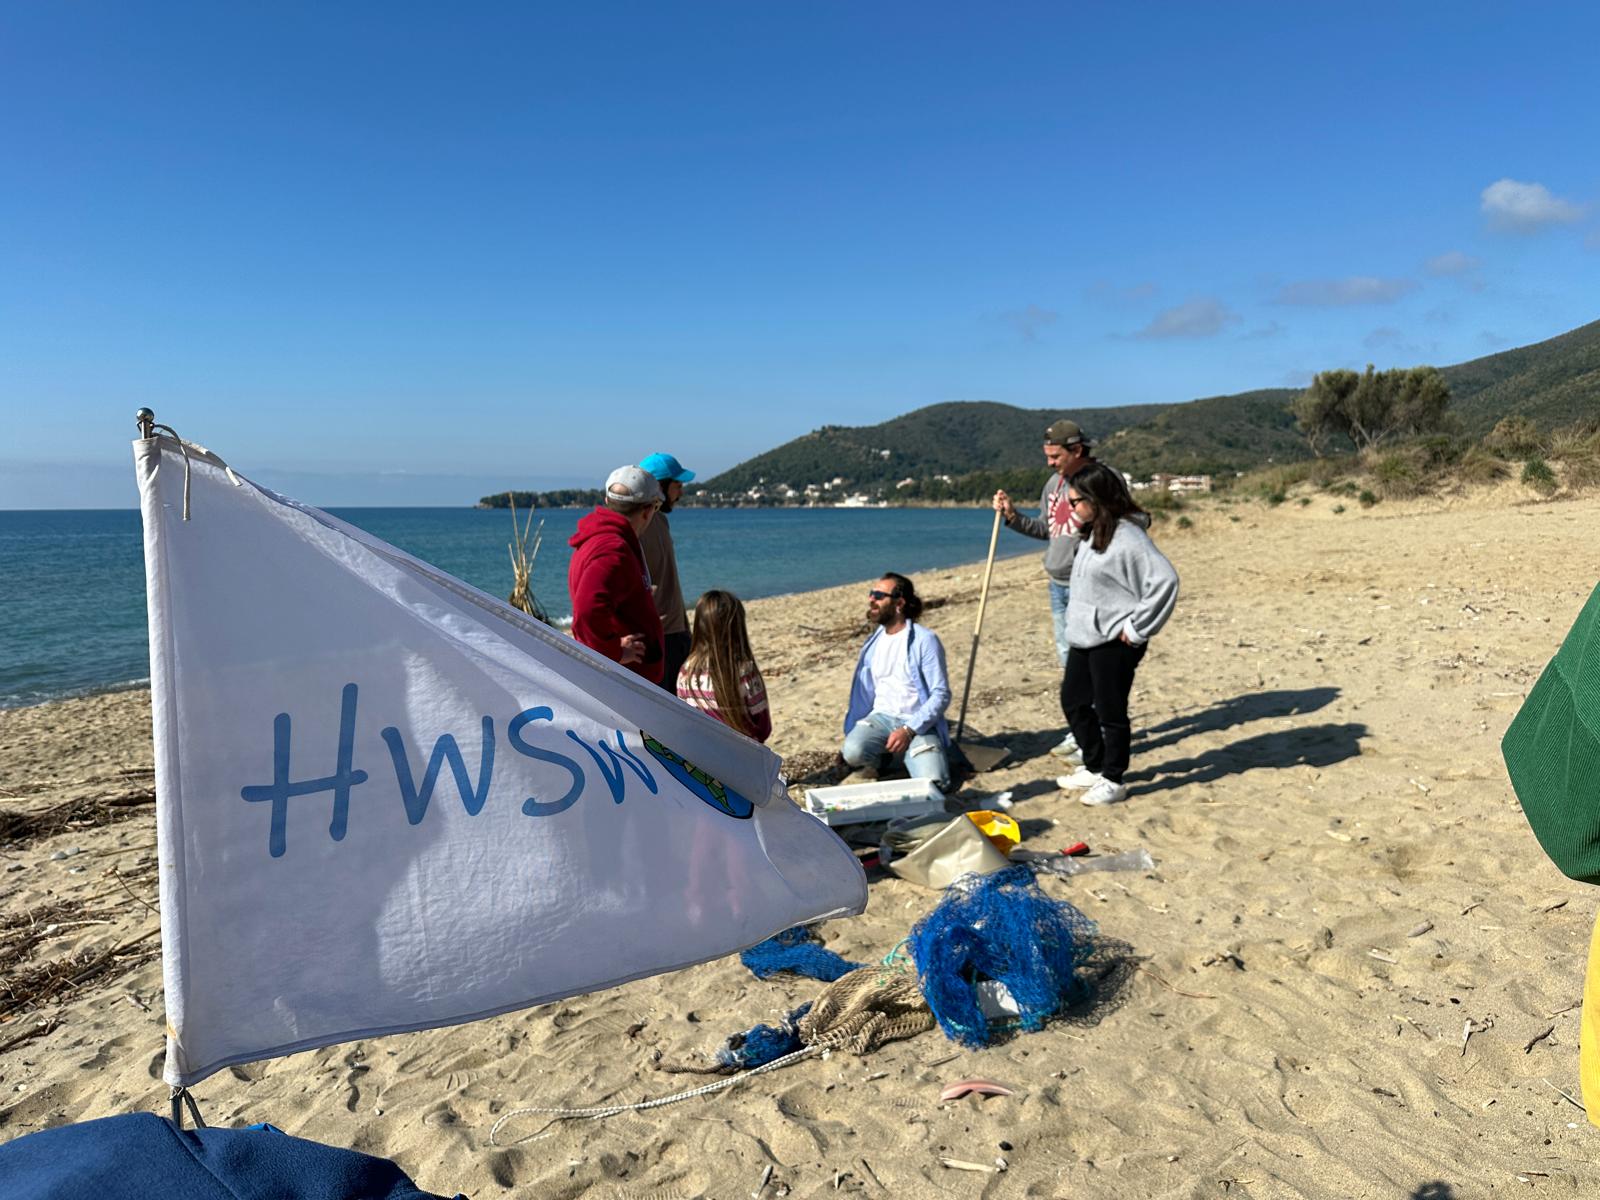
(1094, 697)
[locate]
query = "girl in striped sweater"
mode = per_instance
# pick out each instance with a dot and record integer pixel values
(720, 675)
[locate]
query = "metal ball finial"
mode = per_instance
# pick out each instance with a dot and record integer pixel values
(146, 420)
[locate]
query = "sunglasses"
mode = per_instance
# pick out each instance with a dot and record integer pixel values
(875, 594)
(1074, 501)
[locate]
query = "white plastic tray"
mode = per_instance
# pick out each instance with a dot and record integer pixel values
(862, 803)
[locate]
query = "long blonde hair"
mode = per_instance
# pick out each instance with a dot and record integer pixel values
(720, 649)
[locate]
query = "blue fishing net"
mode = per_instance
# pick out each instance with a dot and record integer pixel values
(799, 951)
(765, 1043)
(999, 927)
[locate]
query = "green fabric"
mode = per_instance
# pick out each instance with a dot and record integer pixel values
(1552, 751)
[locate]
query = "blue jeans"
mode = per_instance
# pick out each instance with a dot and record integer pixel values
(866, 746)
(1058, 617)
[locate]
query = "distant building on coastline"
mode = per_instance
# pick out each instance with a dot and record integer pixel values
(1163, 482)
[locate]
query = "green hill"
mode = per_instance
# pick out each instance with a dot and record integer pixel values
(942, 439)
(1216, 435)
(1552, 383)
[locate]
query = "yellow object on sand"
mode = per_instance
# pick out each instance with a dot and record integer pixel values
(1589, 1031)
(998, 828)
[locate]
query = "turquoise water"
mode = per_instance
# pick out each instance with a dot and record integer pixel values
(72, 582)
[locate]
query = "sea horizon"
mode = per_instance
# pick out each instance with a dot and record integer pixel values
(78, 626)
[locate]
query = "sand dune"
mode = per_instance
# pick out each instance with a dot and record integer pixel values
(1344, 881)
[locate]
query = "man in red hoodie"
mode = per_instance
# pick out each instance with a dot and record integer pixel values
(612, 609)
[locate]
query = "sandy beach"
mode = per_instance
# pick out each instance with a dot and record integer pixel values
(1344, 882)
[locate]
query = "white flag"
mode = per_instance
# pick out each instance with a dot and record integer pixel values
(387, 801)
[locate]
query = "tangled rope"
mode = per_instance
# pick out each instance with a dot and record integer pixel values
(569, 1114)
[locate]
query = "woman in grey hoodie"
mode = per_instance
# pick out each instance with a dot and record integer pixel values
(1123, 591)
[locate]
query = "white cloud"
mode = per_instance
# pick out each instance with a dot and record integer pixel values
(1204, 316)
(1030, 322)
(1338, 293)
(1515, 207)
(1451, 264)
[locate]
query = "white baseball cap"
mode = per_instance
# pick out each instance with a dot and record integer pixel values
(632, 485)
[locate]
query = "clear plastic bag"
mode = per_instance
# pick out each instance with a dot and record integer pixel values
(1128, 860)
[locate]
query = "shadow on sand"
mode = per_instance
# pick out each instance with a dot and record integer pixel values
(1313, 746)
(1240, 710)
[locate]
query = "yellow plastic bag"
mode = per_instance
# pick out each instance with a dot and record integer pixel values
(1000, 829)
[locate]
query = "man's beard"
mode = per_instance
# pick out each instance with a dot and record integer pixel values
(882, 616)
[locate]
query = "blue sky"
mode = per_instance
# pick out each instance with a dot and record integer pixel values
(413, 253)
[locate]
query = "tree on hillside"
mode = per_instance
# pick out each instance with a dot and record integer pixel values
(1372, 407)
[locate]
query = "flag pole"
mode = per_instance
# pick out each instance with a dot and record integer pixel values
(977, 630)
(147, 423)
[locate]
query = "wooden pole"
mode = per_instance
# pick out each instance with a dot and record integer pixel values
(977, 629)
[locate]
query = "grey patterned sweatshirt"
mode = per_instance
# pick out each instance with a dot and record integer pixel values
(1129, 588)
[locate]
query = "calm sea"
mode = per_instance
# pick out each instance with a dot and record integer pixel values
(72, 582)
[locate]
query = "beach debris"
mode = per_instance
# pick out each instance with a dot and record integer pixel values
(999, 927)
(1071, 864)
(1337, 836)
(1567, 1096)
(1177, 991)
(1382, 957)
(797, 951)
(1223, 956)
(1419, 929)
(1472, 1027)
(39, 1029)
(1414, 1025)
(1536, 1039)
(969, 1087)
(522, 560)
(1420, 786)
(961, 1164)
(1553, 906)
(766, 1178)
(67, 853)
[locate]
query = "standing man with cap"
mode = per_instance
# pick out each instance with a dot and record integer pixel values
(1066, 449)
(661, 560)
(612, 610)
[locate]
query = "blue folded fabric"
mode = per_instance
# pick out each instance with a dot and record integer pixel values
(141, 1155)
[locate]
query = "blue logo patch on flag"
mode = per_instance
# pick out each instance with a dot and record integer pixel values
(709, 788)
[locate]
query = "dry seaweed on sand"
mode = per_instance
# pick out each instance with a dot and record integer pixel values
(32, 986)
(88, 812)
(21, 933)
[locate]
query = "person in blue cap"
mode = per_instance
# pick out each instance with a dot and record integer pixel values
(661, 560)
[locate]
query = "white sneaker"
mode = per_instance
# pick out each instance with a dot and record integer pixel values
(1081, 778)
(1104, 792)
(1066, 748)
